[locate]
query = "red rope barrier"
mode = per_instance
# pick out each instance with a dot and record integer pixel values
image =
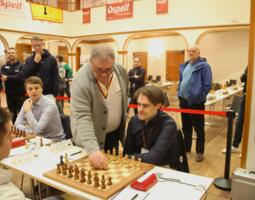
(62, 98)
(190, 111)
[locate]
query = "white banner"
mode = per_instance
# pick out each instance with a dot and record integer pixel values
(17, 8)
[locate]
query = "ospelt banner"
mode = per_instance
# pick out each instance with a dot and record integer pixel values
(46, 13)
(119, 10)
(162, 6)
(86, 15)
(17, 8)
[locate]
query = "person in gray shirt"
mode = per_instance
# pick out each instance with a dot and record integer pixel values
(99, 94)
(39, 114)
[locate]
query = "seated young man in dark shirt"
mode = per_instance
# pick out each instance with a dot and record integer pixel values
(151, 134)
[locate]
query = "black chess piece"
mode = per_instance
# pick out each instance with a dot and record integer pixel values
(61, 160)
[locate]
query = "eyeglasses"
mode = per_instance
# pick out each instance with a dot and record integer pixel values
(101, 71)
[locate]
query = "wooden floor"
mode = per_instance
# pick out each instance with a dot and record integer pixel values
(212, 166)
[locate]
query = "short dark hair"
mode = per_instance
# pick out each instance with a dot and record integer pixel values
(5, 116)
(33, 80)
(60, 58)
(153, 93)
(36, 38)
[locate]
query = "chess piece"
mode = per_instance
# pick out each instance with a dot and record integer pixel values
(109, 181)
(23, 133)
(41, 142)
(71, 168)
(139, 162)
(103, 186)
(76, 172)
(61, 161)
(89, 177)
(82, 176)
(114, 151)
(58, 169)
(64, 170)
(66, 158)
(96, 180)
(70, 173)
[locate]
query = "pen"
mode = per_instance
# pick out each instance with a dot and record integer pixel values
(73, 154)
(146, 196)
(134, 197)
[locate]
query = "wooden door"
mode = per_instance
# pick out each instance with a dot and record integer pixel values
(78, 59)
(144, 60)
(63, 51)
(21, 48)
(173, 61)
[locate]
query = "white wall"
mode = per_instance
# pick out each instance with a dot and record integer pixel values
(182, 13)
(226, 52)
(156, 48)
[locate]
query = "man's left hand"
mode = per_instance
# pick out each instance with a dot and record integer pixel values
(28, 105)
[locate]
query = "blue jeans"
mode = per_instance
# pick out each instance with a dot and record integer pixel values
(239, 124)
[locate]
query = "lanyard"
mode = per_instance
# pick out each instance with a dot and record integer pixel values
(145, 142)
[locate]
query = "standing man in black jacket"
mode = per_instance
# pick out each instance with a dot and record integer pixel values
(41, 63)
(15, 92)
(240, 118)
(136, 77)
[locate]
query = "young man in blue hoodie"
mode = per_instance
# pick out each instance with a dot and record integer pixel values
(194, 85)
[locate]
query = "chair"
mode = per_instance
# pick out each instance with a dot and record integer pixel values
(216, 86)
(182, 161)
(150, 77)
(65, 120)
(232, 82)
(158, 79)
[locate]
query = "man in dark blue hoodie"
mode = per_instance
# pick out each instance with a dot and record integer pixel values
(194, 85)
(41, 63)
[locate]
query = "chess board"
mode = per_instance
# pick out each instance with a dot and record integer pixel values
(121, 170)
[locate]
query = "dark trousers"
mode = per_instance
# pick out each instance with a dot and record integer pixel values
(239, 124)
(193, 120)
(15, 103)
(112, 141)
(67, 89)
(60, 103)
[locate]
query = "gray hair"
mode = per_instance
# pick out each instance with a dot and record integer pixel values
(103, 52)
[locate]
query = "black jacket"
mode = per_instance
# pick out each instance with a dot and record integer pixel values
(16, 86)
(160, 139)
(136, 83)
(46, 69)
